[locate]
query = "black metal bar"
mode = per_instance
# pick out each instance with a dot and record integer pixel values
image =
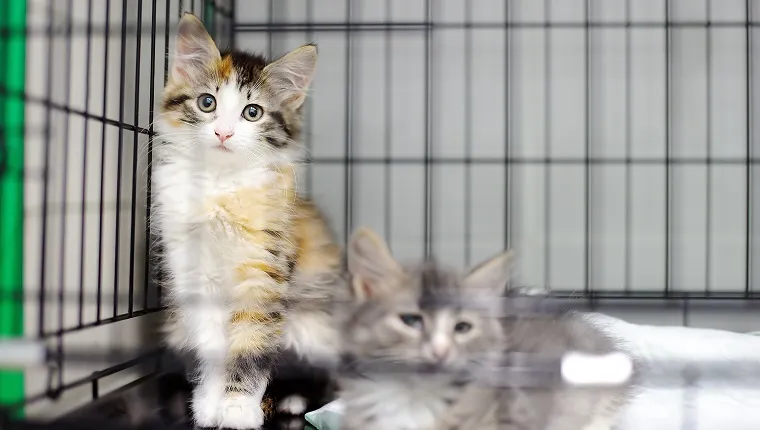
(507, 129)
(388, 114)
(348, 191)
(120, 158)
(46, 174)
(628, 173)
(708, 168)
(270, 35)
(547, 147)
(85, 136)
(102, 167)
(668, 119)
(587, 273)
(135, 144)
(428, 183)
(64, 193)
(467, 239)
(750, 139)
(148, 181)
(308, 137)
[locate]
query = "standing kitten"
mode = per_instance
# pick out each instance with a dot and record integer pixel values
(402, 315)
(250, 262)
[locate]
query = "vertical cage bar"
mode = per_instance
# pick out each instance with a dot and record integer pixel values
(388, 114)
(148, 193)
(628, 173)
(13, 82)
(85, 150)
(309, 114)
(467, 132)
(668, 142)
(101, 213)
(428, 192)
(64, 196)
(587, 135)
(135, 144)
(708, 136)
(547, 145)
(749, 131)
(507, 128)
(348, 136)
(120, 156)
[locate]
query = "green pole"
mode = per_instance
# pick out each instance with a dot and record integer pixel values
(12, 76)
(209, 17)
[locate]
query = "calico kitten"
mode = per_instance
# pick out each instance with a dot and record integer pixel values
(250, 263)
(414, 315)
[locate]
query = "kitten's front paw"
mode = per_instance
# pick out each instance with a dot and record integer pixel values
(292, 405)
(205, 410)
(241, 412)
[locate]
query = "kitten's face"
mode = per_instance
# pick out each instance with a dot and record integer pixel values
(233, 107)
(412, 326)
(416, 315)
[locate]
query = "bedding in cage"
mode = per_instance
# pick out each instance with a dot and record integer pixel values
(611, 143)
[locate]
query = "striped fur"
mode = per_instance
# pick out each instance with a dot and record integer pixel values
(252, 264)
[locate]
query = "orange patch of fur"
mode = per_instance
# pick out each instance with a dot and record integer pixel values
(253, 268)
(224, 68)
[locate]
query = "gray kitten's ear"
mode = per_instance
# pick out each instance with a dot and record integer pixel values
(291, 75)
(195, 49)
(370, 264)
(493, 275)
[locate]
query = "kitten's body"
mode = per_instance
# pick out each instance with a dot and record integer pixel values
(380, 400)
(251, 263)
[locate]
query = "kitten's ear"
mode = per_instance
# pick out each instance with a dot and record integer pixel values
(493, 275)
(291, 75)
(370, 264)
(195, 49)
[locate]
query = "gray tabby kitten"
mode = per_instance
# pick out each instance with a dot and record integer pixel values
(395, 318)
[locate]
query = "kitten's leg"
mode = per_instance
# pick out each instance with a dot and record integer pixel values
(203, 316)
(246, 380)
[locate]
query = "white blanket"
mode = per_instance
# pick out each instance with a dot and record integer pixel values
(663, 402)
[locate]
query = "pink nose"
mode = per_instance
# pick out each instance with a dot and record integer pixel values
(223, 135)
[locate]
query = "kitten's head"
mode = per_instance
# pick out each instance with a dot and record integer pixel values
(233, 107)
(414, 314)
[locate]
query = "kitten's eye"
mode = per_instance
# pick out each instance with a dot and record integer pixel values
(253, 112)
(462, 327)
(206, 103)
(412, 320)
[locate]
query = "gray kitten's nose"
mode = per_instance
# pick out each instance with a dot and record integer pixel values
(440, 352)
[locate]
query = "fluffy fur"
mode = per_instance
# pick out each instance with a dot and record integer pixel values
(414, 315)
(251, 264)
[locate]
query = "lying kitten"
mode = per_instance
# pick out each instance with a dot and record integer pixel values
(396, 319)
(250, 262)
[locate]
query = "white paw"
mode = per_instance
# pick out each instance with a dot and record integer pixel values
(206, 409)
(241, 412)
(293, 405)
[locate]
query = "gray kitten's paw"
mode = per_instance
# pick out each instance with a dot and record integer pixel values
(292, 405)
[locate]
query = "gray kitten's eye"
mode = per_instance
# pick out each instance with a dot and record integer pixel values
(412, 320)
(253, 112)
(206, 103)
(462, 327)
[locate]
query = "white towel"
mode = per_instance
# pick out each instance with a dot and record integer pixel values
(664, 403)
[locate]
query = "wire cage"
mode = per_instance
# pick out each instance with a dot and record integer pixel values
(610, 142)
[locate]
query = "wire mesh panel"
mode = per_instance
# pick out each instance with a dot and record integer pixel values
(93, 72)
(611, 143)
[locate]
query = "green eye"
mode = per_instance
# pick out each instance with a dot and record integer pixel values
(253, 112)
(462, 327)
(412, 320)
(206, 103)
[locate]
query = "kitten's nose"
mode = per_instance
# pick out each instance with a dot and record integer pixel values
(440, 352)
(223, 135)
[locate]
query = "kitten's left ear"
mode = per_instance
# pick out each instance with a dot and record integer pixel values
(291, 75)
(195, 49)
(493, 276)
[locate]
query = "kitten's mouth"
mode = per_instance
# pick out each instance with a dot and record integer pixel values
(223, 148)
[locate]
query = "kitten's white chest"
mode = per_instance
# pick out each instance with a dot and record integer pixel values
(407, 405)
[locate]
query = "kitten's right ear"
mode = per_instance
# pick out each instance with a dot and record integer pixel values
(370, 264)
(194, 50)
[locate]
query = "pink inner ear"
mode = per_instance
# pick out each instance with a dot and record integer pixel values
(366, 289)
